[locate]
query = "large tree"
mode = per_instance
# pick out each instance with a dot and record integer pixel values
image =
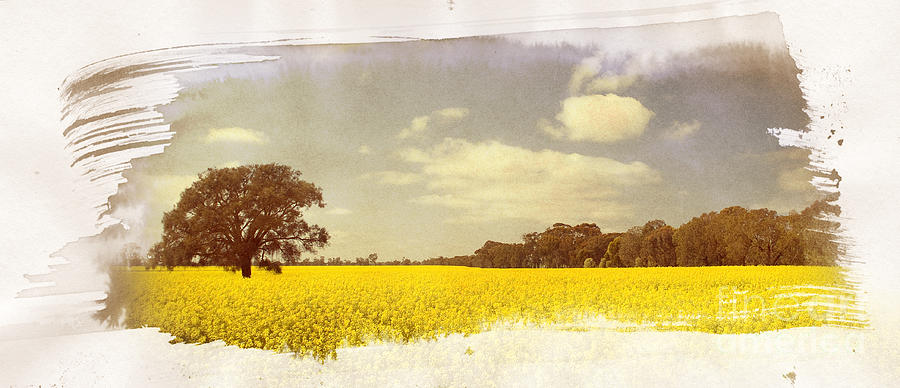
(231, 216)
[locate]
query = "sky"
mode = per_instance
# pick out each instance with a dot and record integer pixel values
(431, 147)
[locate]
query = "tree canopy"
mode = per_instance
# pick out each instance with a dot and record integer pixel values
(231, 216)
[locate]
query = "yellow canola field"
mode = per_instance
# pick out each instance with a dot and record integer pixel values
(316, 310)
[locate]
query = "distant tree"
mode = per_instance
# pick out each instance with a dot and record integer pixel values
(658, 247)
(551, 248)
(293, 260)
(652, 226)
(149, 261)
(335, 261)
(771, 240)
(557, 246)
(630, 248)
(500, 255)
(230, 216)
(700, 242)
(818, 232)
(589, 262)
(510, 256)
(169, 252)
(595, 247)
(732, 223)
(612, 258)
(529, 241)
(130, 255)
(689, 242)
(485, 256)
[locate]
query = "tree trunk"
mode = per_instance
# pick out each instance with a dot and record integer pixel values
(246, 265)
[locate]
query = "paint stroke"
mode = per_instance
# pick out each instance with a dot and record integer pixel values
(110, 118)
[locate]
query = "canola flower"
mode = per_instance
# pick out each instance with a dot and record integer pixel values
(316, 310)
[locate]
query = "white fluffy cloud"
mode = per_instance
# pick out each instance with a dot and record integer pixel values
(490, 180)
(444, 116)
(600, 118)
(235, 135)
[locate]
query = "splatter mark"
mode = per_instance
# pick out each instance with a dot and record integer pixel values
(791, 376)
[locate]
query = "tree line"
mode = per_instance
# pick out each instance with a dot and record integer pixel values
(731, 236)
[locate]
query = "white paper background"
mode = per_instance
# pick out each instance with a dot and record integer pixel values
(41, 42)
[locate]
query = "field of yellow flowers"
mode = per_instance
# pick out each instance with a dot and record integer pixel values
(316, 310)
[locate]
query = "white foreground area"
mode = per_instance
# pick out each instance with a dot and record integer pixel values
(817, 357)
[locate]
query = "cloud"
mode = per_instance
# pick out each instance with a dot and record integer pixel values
(599, 118)
(417, 125)
(589, 77)
(235, 135)
(679, 130)
(364, 149)
(490, 180)
(339, 211)
(583, 72)
(233, 163)
(795, 180)
(610, 83)
(589, 114)
(396, 178)
(421, 124)
(452, 113)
